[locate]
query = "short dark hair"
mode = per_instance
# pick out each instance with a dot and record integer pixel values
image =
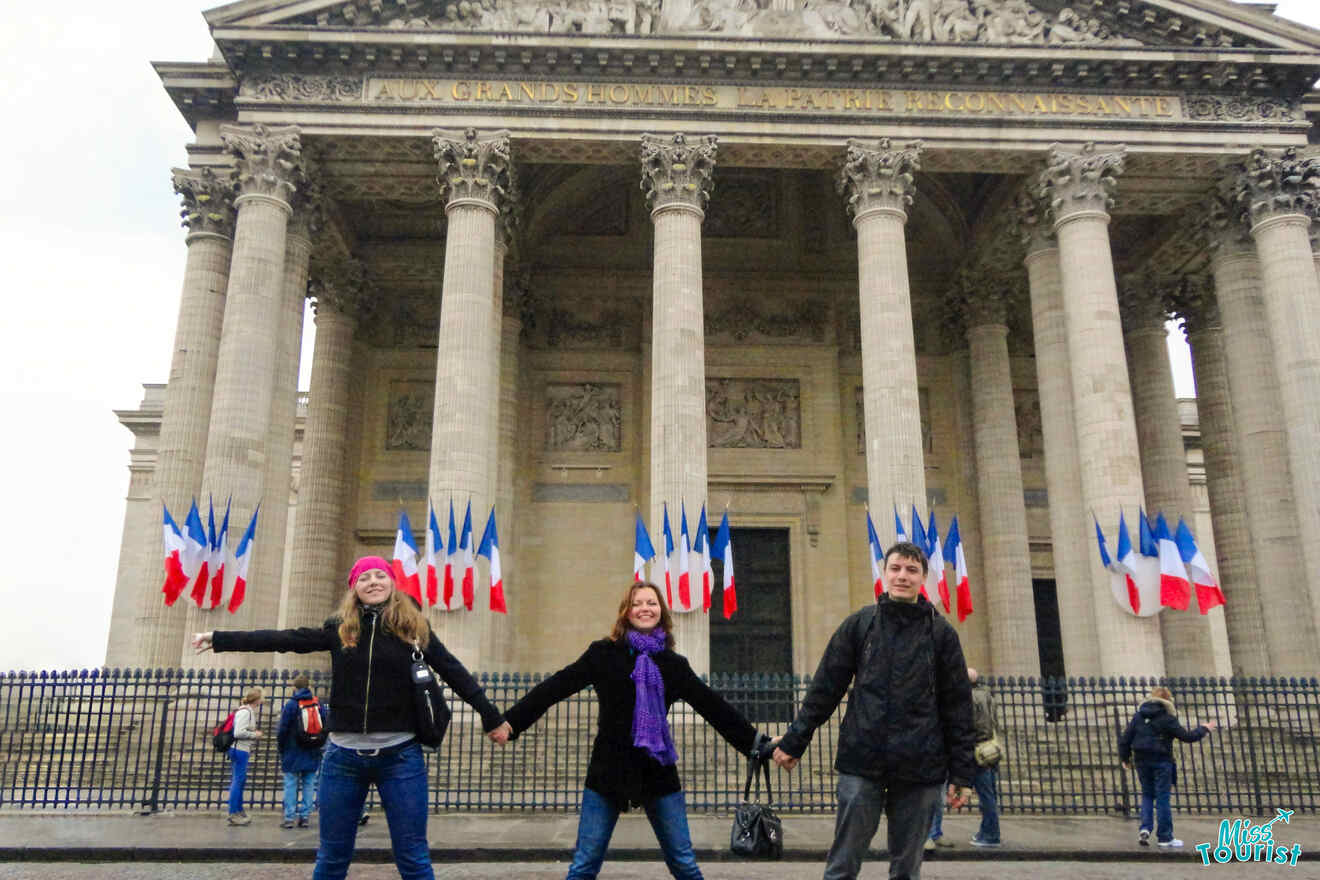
(908, 550)
(302, 681)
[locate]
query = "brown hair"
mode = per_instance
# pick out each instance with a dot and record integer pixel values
(253, 696)
(908, 550)
(1160, 692)
(401, 617)
(622, 624)
(302, 681)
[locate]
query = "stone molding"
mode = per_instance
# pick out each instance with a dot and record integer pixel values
(208, 199)
(1272, 184)
(878, 176)
(474, 167)
(269, 160)
(751, 318)
(1081, 181)
(283, 88)
(1222, 108)
(676, 172)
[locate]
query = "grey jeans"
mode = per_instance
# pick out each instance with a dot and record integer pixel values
(861, 803)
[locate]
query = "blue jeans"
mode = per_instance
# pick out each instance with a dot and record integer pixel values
(1156, 782)
(668, 817)
(237, 779)
(299, 782)
(937, 820)
(986, 783)
(399, 774)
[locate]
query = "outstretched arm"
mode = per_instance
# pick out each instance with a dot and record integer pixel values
(829, 684)
(564, 683)
(463, 684)
(304, 640)
(717, 711)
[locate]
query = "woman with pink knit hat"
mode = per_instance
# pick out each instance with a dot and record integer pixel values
(372, 727)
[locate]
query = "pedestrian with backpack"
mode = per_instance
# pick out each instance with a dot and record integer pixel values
(246, 735)
(300, 737)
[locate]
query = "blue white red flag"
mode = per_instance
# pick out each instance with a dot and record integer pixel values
(219, 560)
(919, 538)
(963, 589)
(435, 550)
(490, 548)
(1208, 594)
(701, 558)
(643, 550)
(877, 554)
(1175, 588)
(722, 549)
(452, 562)
(404, 561)
(172, 539)
(670, 562)
(935, 579)
(242, 558)
(197, 553)
(469, 562)
(684, 562)
(1138, 590)
(899, 534)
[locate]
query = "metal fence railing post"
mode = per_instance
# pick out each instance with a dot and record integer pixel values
(152, 804)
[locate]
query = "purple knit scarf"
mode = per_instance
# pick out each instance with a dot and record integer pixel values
(650, 729)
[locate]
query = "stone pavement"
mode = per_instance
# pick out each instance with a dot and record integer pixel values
(33, 836)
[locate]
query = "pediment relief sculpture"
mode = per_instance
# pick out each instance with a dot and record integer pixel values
(938, 21)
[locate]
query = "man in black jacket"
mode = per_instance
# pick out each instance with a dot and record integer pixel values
(908, 727)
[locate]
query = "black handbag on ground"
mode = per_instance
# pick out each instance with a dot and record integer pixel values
(432, 711)
(757, 832)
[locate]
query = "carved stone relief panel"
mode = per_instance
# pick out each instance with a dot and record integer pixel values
(583, 324)
(753, 413)
(923, 402)
(744, 205)
(1031, 438)
(408, 416)
(746, 317)
(583, 417)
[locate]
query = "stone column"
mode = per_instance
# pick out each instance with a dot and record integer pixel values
(1276, 192)
(1258, 420)
(208, 214)
(1234, 556)
(1070, 542)
(1188, 650)
(676, 176)
(1315, 246)
(504, 651)
(238, 447)
(475, 176)
(878, 181)
(1013, 645)
(1078, 186)
(317, 580)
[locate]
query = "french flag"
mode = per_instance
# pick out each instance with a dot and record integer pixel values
(684, 560)
(175, 578)
(242, 557)
(701, 556)
(406, 576)
(1120, 580)
(219, 559)
(490, 548)
(469, 563)
(1140, 569)
(1208, 594)
(1175, 588)
(935, 572)
(877, 555)
(899, 534)
(722, 548)
(919, 538)
(669, 556)
(451, 562)
(953, 544)
(434, 543)
(197, 553)
(643, 551)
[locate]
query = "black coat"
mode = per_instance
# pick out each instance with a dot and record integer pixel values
(909, 717)
(370, 684)
(618, 770)
(1149, 735)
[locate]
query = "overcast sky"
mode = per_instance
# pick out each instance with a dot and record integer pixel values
(92, 255)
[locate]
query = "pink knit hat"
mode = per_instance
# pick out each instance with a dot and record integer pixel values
(367, 563)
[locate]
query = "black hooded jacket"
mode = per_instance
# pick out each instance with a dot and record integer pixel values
(1149, 735)
(909, 716)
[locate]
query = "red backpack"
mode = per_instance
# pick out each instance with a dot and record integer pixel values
(222, 735)
(310, 732)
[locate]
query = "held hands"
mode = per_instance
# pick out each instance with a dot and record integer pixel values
(1209, 725)
(1127, 765)
(958, 796)
(201, 642)
(501, 734)
(784, 759)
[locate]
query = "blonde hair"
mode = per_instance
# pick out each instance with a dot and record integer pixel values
(401, 617)
(253, 696)
(1161, 693)
(622, 624)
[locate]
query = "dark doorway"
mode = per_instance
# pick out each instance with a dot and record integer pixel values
(1049, 644)
(758, 641)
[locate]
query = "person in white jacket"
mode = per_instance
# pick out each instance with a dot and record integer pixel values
(246, 734)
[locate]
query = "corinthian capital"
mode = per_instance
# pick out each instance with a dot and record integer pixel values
(1274, 184)
(340, 283)
(473, 166)
(980, 297)
(208, 199)
(1141, 300)
(1030, 220)
(675, 171)
(269, 160)
(1080, 181)
(1194, 302)
(510, 213)
(877, 175)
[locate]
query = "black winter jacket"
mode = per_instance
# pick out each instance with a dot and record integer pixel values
(371, 684)
(909, 717)
(1149, 735)
(618, 770)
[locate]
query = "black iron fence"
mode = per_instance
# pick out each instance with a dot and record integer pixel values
(140, 740)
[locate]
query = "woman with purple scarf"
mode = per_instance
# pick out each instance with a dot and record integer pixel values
(637, 676)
